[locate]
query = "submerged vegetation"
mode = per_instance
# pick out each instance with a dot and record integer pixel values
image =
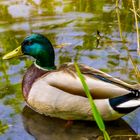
(104, 35)
(3, 127)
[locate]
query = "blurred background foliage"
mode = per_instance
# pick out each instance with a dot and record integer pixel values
(100, 34)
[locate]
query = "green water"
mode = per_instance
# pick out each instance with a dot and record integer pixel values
(75, 23)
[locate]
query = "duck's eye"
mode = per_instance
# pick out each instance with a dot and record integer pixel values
(26, 43)
(29, 43)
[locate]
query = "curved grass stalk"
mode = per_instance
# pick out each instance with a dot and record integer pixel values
(119, 21)
(94, 109)
(136, 24)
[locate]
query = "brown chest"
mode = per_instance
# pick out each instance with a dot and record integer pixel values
(32, 74)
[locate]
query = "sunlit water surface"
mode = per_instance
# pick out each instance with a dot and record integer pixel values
(76, 24)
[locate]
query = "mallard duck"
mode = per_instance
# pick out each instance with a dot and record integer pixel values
(58, 92)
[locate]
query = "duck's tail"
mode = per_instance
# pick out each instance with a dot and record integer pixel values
(126, 103)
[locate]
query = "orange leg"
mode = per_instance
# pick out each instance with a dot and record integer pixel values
(69, 123)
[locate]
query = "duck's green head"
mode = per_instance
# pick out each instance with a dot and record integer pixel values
(37, 46)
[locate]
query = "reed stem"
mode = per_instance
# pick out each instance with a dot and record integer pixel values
(136, 24)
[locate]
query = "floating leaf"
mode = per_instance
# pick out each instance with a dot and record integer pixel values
(3, 127)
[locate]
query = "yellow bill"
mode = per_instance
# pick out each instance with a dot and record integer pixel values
(15, 53)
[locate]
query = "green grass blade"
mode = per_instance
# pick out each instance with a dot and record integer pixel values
(106, 136)
(94, 109)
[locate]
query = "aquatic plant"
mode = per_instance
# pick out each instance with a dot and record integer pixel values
(94, 109)
(3, 127)
(136, 24)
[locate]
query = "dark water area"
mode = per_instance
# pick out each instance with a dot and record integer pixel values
(95, 33)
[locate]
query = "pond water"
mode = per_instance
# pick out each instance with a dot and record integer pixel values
(94, 33)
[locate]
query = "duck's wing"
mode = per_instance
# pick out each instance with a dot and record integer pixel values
(55, 102)
(92, 72)
(101, 85)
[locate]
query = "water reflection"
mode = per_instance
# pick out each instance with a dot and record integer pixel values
(47, 128)
(74, 22)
